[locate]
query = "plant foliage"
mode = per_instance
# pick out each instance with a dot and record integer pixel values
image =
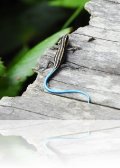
(21, 67)
(22, 22)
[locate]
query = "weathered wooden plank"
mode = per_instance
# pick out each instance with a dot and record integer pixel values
(114, 26)
(13, 113)
(54, 107)
(103, 88)
(94, 54)
(97, 32)
(97, 73)
(96, 70)
(104, 15)
(115, 1)
(104, 9)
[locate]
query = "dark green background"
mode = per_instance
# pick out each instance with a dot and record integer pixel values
(24, 24)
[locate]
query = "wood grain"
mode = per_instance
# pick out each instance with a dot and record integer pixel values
(95, 69)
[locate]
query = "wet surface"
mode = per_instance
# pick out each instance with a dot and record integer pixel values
(49, 143)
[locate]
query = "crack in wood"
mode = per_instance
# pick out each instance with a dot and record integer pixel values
(95, 37)
(112, 1)
(97, 66)
(85, 67)
(18, 108)
(79, 100)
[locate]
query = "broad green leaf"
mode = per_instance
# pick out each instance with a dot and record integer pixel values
(19, 56)
(2, 68)
(22, 66)
(69, 3)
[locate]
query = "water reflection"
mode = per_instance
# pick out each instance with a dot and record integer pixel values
(33, 143)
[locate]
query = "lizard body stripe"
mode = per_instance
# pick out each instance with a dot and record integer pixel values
(57, 62)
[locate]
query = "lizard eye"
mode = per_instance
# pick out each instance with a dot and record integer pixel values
(59, 41)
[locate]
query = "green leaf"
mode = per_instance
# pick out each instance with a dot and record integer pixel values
(2, 68)
(69, 3)
(22, 66)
